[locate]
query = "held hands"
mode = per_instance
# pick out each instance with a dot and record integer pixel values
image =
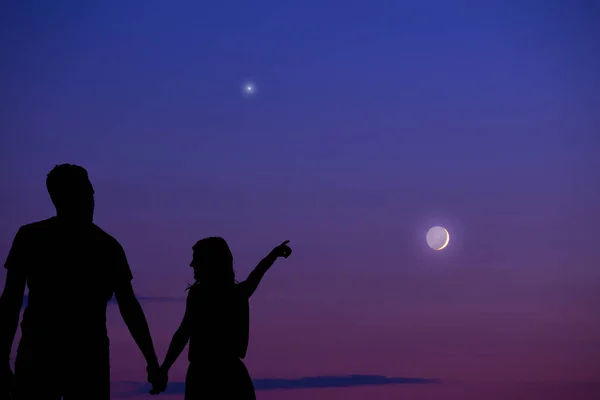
(283, 250)
(158, 378)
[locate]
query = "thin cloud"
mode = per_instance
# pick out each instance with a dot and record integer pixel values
(314, 382)
(154, 299)
(144, 299)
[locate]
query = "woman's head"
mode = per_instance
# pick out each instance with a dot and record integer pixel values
(213, 262)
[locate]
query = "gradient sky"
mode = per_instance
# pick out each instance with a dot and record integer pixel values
(373, 121)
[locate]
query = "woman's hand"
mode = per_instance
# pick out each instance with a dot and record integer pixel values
(283, 250)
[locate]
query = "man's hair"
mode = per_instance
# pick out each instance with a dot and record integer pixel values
(63, 180)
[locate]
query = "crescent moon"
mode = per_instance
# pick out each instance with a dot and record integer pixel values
(447, 240)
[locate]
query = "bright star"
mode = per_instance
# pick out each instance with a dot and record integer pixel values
(249, 89)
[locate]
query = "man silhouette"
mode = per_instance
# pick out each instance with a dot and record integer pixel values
(72, 269)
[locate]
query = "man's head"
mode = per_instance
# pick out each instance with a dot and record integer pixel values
(71, 192)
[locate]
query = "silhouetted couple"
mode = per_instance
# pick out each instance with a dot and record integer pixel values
(73, 268)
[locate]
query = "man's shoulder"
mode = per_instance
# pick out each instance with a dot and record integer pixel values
(38, 227)
(44, 223)
(105, 237)
(49, 226)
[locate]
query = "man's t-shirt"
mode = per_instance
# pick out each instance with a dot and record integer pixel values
(71, 274)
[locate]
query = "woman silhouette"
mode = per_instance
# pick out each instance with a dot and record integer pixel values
(216, 323)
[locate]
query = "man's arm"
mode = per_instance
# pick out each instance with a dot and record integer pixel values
(14, 290)
(10, 309)
(135, 319)
(130, 307)
(10, 306)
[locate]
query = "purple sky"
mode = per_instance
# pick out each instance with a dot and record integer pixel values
(370, 125)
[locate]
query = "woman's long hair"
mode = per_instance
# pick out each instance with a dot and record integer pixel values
(213, 262)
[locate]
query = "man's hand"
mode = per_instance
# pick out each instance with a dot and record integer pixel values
(7, 381)
(158, 378)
